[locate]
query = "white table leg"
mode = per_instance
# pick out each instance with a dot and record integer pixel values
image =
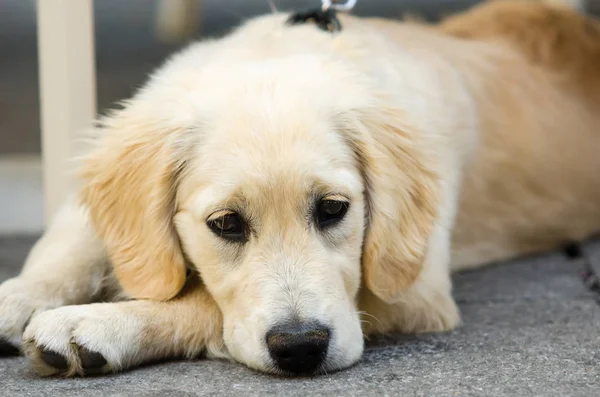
(67, 88)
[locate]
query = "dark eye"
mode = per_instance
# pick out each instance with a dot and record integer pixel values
(329, 212)
(229, 226)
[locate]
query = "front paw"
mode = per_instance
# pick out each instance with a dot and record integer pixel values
(20, 301)
(420, 310)
(78, 340)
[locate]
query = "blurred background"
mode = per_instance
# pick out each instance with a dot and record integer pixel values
(130, 43)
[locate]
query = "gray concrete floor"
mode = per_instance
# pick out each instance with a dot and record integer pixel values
(530, 329)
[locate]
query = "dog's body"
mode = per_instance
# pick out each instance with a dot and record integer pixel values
(480, 131)
(531, 184)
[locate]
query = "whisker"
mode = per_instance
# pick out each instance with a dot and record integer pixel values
(362, 313)
(366, 322)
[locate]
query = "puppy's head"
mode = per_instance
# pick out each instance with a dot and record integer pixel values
(287, 183)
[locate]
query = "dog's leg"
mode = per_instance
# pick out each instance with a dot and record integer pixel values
(426, 306)
(109, 337)
(423, 308)
(66, 266)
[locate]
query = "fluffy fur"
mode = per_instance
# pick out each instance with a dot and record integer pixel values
(456, 145)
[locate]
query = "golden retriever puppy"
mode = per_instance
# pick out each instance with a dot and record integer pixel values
(273, 195)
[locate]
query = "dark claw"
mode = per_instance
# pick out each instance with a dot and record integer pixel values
(6, 349)
(91, 362)
(54, 360)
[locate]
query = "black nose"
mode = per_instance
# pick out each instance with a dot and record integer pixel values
(298, 347)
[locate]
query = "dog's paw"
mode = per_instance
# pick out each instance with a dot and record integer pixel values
(421, 310)
(81, 340)
(20, 301)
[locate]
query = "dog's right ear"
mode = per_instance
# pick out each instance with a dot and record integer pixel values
(402, 191)
(128, 186)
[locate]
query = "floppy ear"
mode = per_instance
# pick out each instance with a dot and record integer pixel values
(128, 185)
(402, 195)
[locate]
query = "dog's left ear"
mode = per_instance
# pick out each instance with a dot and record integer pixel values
(402, 198)
(129, 186)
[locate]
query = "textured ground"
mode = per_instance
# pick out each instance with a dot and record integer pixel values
(530, 329)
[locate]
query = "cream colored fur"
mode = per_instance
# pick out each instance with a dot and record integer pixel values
(456, 145)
